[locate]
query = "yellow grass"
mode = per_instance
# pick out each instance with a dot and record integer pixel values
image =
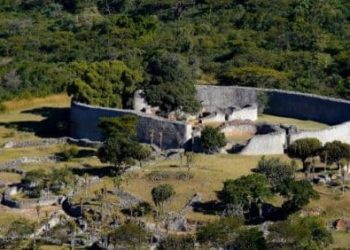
(61, 100)
(210, 171)
(300, 124)
(9, 178)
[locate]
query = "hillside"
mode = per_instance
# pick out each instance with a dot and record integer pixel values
(45, 45)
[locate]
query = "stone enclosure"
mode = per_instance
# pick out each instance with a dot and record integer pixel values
(227, 103)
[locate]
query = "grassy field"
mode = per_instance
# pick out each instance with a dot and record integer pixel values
(209, 173)
(29, 119)
(300, 124)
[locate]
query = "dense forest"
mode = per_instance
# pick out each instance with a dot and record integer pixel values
(105, 49)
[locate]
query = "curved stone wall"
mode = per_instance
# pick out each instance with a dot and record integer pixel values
(150, 129)
(282, 103)
(327, 110)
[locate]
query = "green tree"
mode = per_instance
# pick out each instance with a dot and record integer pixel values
(335, 152)
(275, 170)
(212, 139)
(246, 191)
(219, 233)
(177, 243)
(250, 239)
(304, 148)
(128, 234)
(106, 83)
(298, 194)
(162, 194)
(301, 233)
(171, 83)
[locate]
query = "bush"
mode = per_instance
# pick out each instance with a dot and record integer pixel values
(2, 108)
(68, 152)
(212, 139)
(176, 243)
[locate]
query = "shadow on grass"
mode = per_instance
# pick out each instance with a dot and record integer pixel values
(95, 171)
(55, 123)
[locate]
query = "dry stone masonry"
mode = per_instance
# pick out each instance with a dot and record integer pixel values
(175, 134)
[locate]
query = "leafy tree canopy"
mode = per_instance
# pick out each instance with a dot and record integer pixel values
(106, 83)
(212, 139)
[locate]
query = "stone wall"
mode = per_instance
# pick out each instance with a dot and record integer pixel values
(170, 134)
(246, 113)
(266, 144)
(339, 132)
(282, 103)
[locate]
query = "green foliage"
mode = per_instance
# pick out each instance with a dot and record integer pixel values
(162, 194)
(250, 239)
(171, 84)
(298, 194)
(246, 190)
(301, 233)
(334, 152)
(212, 139)
(300, 45)
(219, 232)
(120, 146)
(128, 234)
(124, 126)
(118, 151)
(68, 152)
(275, 170)
(177, 243)
(254, 77)
(106, 83)
(2, 108)
(304, 148)
(20, 229)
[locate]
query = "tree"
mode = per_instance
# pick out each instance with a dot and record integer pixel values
(250, 239)
(212, 139)
(124, 126)
(275, 170)
(120, 147)
(161, 194)
(105, 83)
(298, 194)
(301, 233)
(118, 151)
(171, 84)
(304, 148)
(334, 152)
(19, 230)
(220, 232)
(143, 152)
(177, 243)
(128, 234)
(246, 191)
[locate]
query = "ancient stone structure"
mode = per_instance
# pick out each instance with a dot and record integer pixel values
(150, 129)
(174, 134)
(327, 110)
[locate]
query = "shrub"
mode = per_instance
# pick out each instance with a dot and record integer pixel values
(68, 152)
(176, 243)
(2, 108)
(212, 139)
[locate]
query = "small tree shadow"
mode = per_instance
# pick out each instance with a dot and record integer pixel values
(95, 171)
(55, 123)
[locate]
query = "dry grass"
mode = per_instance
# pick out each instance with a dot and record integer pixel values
(61, 100)
(209, 173)
(9, 178)
(301, 124)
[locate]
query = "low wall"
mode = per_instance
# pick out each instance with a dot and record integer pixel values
(282, 103)
(267, 144)
(170, 134)
(246, 113)
(339, 132)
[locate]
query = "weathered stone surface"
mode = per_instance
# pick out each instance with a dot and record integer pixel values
(150, 129)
